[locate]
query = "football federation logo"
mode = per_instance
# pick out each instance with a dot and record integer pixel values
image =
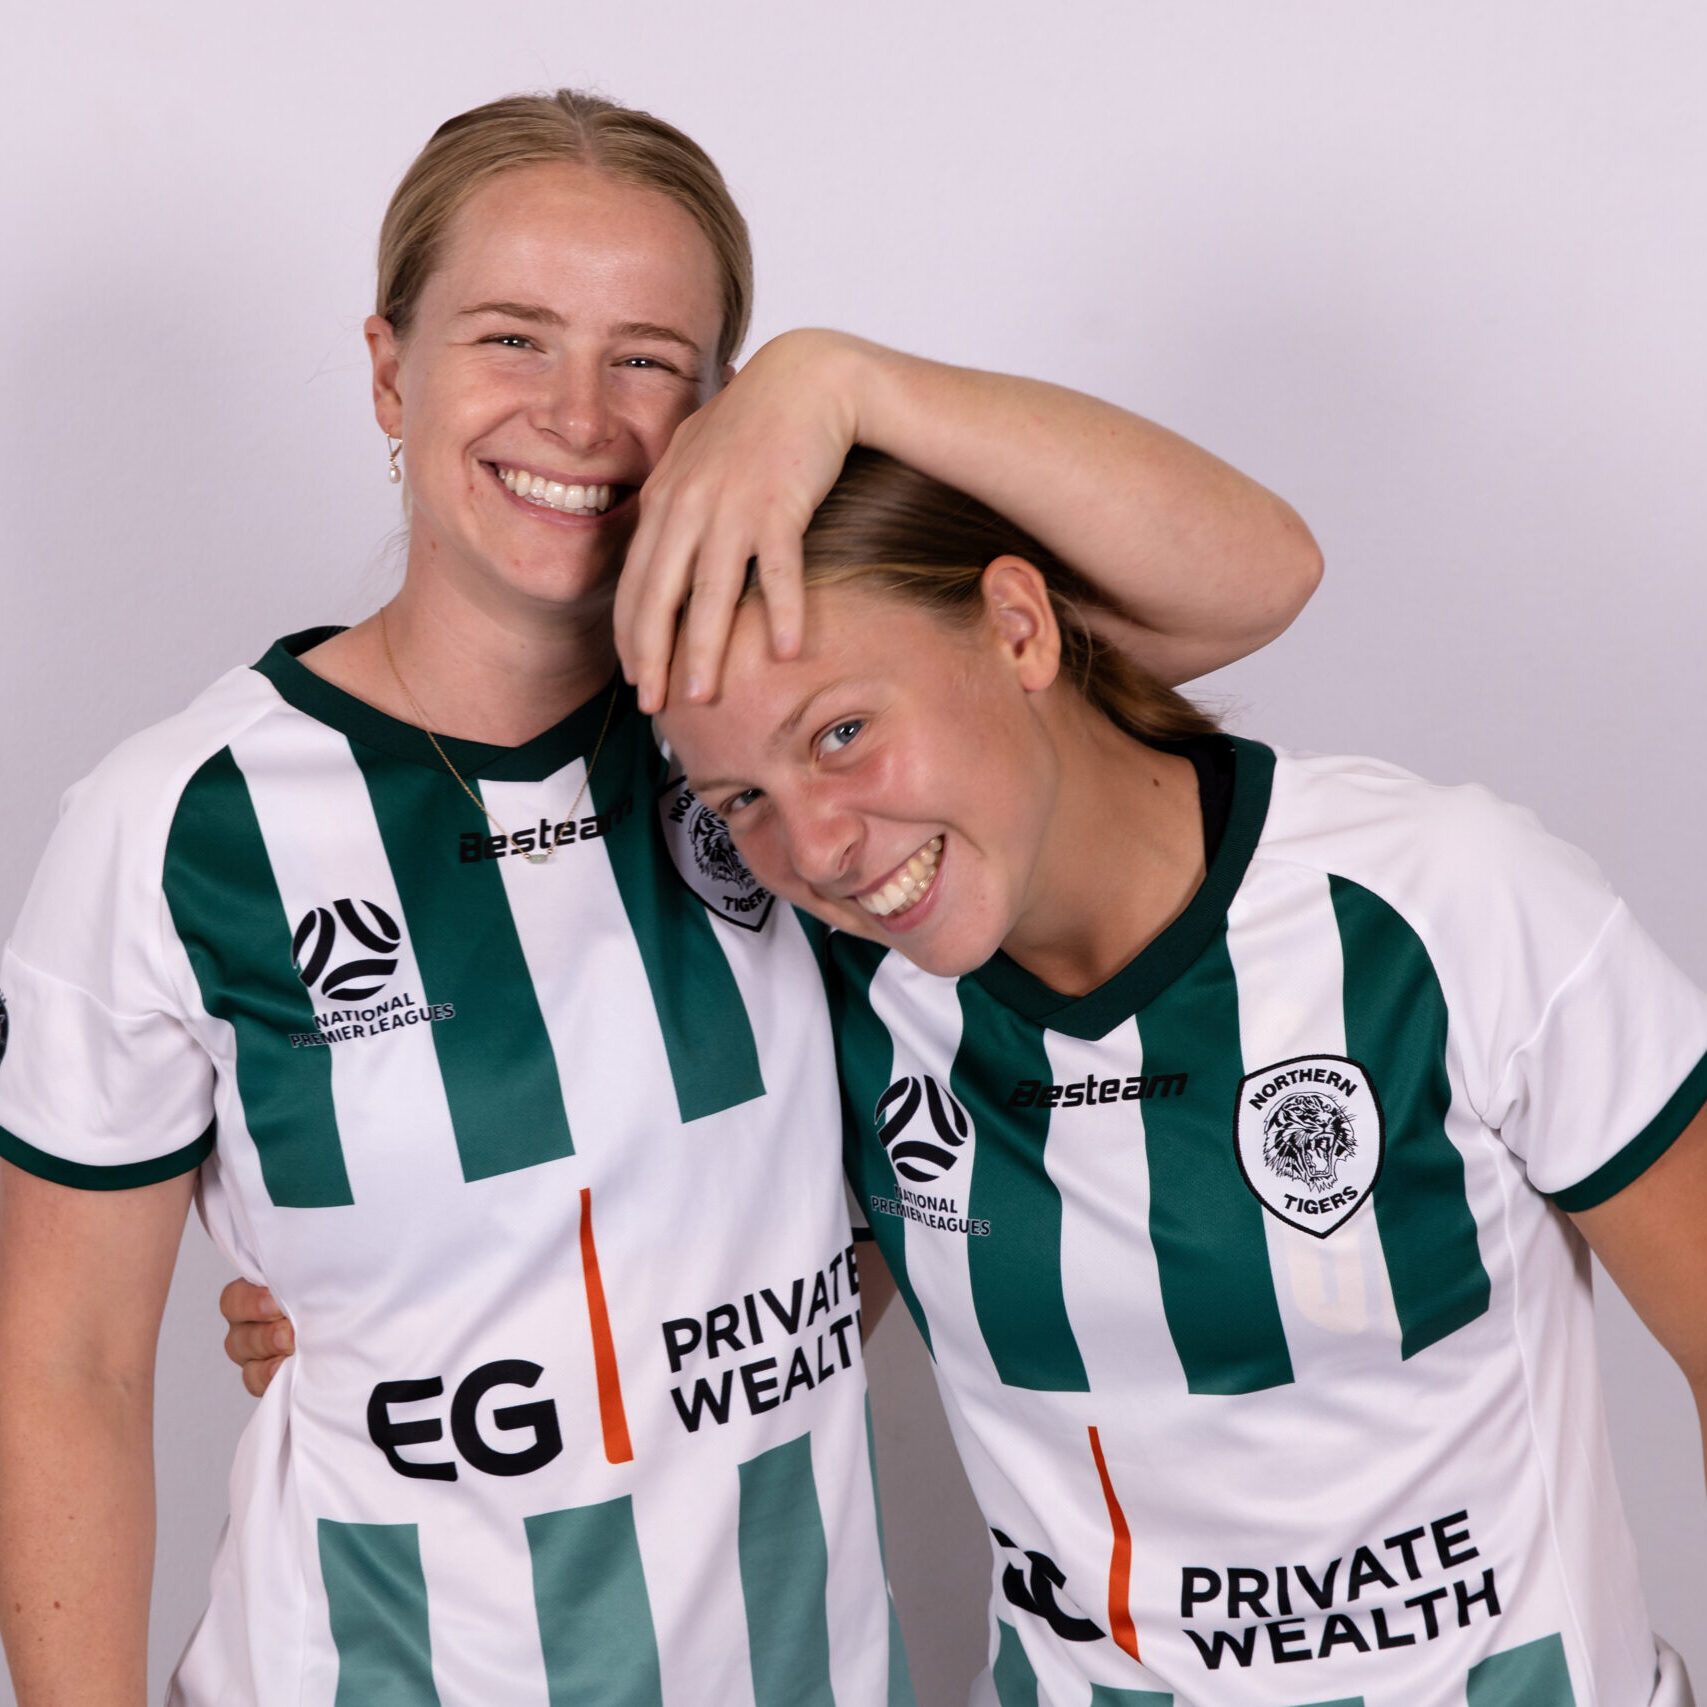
(929, 1151)
(705, 856)
(373, 938)
(1310, 1139)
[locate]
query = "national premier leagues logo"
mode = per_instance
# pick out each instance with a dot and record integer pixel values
(920, 1149)
(1310, 1139)
(347, 951)
(705, 856)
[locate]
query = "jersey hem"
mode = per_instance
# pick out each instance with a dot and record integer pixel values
(119, 1176)
(1643, 1150)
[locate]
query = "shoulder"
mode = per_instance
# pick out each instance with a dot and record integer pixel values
(114, 824)
(1425, 848)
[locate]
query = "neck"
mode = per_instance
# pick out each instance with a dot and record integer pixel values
(497, 676)
(1123, 858)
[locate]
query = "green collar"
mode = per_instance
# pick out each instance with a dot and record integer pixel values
(533, 761)
(1144, 977)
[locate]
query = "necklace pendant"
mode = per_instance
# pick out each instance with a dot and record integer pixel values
(538, 858)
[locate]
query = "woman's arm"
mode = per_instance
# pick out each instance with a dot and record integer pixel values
(1205, 564)
(1652, 1238)
(83, 1282)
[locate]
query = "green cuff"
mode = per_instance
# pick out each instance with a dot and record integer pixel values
(123, 1176)
(1643, 1150)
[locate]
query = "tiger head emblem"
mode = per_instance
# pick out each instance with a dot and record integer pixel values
(713, 849)
(1305, 1137)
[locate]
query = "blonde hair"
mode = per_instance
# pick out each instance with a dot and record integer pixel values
(583, 130)
(888, 525)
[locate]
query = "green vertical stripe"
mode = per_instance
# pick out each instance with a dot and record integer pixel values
(900, 1677)
(226, 909)
(1205, 1224)
(1533, 1675)
(500, 1077)
(595, 1617)
(1016, 1268)
(1015, 1681)
(377, 1597)
(785, 1575)
(708, 1037)
(1103, 1696)
(1395, 1026)
(865, 1056)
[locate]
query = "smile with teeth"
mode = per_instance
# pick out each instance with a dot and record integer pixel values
(909, 886)
(555, 494)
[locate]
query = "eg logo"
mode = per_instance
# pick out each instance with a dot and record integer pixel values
(353, 980)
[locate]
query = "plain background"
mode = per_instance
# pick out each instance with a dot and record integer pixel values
(1436, 273)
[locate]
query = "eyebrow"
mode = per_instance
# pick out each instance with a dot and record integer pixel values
(715, 785)
(538, 315)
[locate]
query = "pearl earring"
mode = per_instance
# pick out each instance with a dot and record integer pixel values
(395, 474)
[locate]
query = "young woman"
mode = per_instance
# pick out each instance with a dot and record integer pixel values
(1223, 1118)
(488, 1058)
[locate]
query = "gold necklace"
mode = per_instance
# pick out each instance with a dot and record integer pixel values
(544, 854)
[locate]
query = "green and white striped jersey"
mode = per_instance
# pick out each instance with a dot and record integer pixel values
(541, 1158)
(1269, 1356)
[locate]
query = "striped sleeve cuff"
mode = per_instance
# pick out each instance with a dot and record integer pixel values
(121, 1176)
(1643, 1150)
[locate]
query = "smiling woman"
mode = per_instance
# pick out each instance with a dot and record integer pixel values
(1215, 1106)
(540, 1153)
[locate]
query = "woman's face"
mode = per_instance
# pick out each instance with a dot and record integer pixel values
(569, 329)
(896, 778)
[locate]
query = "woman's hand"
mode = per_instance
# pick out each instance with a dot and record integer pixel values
(1198, 565)
(740, 480)
(260, 1337)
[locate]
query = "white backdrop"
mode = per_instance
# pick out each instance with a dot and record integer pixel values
(1437, 273)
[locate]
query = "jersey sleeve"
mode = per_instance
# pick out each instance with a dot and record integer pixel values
(103, 1085)
(1611, 1074)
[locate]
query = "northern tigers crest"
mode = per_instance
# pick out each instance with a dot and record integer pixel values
(705, 857)
(1310, 1139)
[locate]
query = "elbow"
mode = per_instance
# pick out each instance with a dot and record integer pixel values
(1298, 570)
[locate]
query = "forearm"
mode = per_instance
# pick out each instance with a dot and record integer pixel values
(76, 1535)
(1207, 564)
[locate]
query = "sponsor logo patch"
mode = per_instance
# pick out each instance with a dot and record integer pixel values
(347, 951)
(704, 855)
(1310, 1139)
(1034, 1585)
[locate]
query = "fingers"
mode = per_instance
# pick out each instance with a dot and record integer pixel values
(653, 589)
(782, 578)
(248, 1343)
(257, 1377)
(243, 1301)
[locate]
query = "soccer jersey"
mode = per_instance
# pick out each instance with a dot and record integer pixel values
(1268, 1353)
(542, 1158)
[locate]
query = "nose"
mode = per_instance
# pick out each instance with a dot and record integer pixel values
(823, 840)
(576, 406)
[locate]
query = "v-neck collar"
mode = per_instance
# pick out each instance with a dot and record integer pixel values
(1160, 962)
(533, 761)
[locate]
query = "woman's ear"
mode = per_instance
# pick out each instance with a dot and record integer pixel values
(386, 353)
(1021, 618)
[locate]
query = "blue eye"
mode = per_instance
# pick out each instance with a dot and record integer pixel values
(736, 801)
(509, 340)
(838, 735)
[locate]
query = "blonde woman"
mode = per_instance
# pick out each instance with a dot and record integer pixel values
(480, 1051)
(1236, 1126)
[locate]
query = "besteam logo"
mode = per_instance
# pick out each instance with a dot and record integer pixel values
(355, 979)
(918, 1158)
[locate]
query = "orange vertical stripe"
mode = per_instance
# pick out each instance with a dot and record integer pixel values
(1120, 1625)
(612, 1417)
